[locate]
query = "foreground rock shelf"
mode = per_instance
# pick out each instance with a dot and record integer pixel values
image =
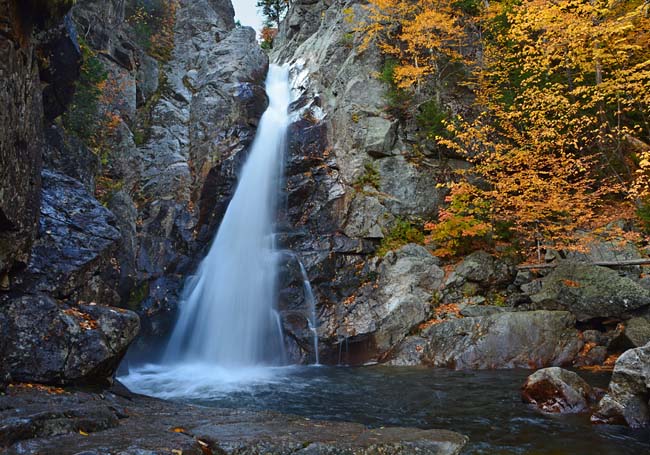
(36, 419)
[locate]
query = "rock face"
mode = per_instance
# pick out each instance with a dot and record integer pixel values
(590, 291)
(386, 310)
(122, 224)
(555, 390)
(531, 339)
(52, 343)
(21, 139)
(349, 181)
(77, 240)
(42, 421)
(626, 401)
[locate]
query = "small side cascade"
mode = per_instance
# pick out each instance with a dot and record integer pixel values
(278, 323)
(311, 303)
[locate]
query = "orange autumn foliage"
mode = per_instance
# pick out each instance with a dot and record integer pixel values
(422, 35)
(562, 95)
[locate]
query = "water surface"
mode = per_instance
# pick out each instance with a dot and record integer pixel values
(484, 405)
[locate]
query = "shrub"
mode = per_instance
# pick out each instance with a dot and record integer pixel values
(370, 177)
(462, 227)
(431, 120)
(82, 117)
(397, 100)
(152, 22)
(402, 233)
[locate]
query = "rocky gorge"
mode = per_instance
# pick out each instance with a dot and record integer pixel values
(100, 229)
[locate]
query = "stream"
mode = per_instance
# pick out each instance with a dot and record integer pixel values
(484, 405)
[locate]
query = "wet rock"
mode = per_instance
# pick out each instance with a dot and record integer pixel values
(530, 339)
(347, 181)
(626, 401)
(556, 390)
(21, 140)
(40, 421)
(58, 344)
(409, 352)
(589, 291)
(77, 239)
(123, 207)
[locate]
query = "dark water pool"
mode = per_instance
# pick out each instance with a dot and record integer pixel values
(485, 406)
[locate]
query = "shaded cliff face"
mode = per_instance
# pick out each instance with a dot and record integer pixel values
(21, 141)
(134, 153)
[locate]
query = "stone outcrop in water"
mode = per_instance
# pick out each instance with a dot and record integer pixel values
(67, 423)
(626, 401)
(555, 390)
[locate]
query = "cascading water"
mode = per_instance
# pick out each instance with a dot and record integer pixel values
(311, 303)
(229, 332)
(227, 316)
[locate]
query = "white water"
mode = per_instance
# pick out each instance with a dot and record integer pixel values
(227, 315)
(311, 303)
(229, 334)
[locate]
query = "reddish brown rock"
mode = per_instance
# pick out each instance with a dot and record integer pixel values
(556, 390)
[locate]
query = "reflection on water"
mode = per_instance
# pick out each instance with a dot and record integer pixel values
(486, 406)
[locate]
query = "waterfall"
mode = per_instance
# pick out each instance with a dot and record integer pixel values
(227, 315)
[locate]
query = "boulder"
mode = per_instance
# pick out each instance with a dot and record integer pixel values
(556, 390)
(589, 291)
(409, 189)
(52, 343)
(626, 401)
(408, 278)
(409, 352)
(527, 339)
(367, 218)
(77, 240)
(481, 268)
(637, 331)
(380, 136)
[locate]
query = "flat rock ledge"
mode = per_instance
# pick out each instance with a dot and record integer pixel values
(46, 420)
